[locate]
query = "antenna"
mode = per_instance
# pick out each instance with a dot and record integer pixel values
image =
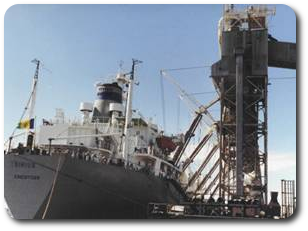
(135, 62)
(36, 61)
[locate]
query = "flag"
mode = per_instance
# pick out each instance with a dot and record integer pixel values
(26, 124)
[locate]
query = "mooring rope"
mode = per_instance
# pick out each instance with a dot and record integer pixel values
(52, 188)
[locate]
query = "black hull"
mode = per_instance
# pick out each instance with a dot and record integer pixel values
(81, 189)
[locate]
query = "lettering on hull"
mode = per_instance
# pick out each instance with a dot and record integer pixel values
(22, 164)
(26, 177)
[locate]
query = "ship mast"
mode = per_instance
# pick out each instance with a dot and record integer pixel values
(128, 114)
(34, 87)
(32, 102)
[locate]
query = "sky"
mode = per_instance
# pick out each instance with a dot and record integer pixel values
(82, 44)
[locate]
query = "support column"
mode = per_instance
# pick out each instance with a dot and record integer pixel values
(49, 146)
(157, 167)
(239, 121)
(265, 143)
(221, 140)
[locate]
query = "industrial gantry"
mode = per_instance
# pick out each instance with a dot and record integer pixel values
(241, 79)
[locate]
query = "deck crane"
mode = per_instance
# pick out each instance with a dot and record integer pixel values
(28, 109)
(201, 115)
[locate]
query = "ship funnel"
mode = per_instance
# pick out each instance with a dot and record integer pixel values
(106, 94)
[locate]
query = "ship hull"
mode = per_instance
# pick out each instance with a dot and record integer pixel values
(60, 187)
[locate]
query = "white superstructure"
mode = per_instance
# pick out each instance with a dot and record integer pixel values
(110, 127)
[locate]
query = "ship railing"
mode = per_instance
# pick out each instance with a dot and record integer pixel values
(99, 121)
(75, 151)
(97, 155)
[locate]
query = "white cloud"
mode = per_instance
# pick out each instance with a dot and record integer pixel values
(281, 161)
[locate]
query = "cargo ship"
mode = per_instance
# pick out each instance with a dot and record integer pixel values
(110, 164)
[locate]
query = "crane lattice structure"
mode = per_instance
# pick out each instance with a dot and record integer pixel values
(201, 182)
(241, 78)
